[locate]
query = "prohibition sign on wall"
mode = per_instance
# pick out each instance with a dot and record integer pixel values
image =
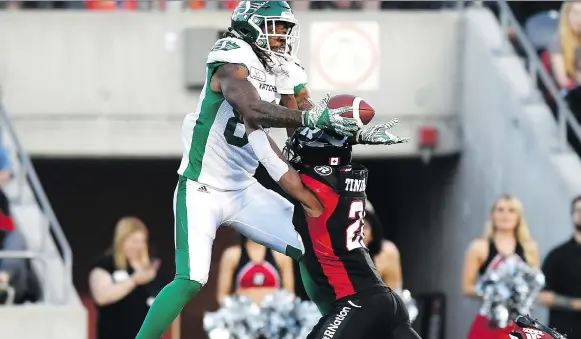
(345, 55)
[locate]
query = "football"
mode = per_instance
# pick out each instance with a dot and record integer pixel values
(362, 111)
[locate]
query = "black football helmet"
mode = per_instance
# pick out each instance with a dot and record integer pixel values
(527, 327)
(315, 147)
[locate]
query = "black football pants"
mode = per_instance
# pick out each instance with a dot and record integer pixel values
(374, 314)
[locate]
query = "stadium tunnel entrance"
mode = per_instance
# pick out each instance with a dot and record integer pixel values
(407, 196)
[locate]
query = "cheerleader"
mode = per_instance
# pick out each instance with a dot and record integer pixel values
(506, 233)
(384, 253)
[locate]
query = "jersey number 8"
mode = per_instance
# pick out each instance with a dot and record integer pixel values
(235, 133)
(354, 232)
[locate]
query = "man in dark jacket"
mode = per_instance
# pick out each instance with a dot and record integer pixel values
(562, 271)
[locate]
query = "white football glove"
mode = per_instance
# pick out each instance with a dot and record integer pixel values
(378, 135)
(325, 118)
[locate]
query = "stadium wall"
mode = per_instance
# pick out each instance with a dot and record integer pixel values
(76, 82)
(43, 322)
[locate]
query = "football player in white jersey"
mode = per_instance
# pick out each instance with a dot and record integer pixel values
(216, 184)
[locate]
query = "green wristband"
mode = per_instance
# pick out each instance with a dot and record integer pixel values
(305, 118)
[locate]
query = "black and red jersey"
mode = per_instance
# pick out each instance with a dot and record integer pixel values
(335, 256)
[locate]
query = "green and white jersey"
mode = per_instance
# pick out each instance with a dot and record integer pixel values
(216, 148)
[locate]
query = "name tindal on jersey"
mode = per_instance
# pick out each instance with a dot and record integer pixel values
(355, 185)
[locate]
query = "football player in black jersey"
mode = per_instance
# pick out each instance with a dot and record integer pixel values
(336, 269)
(338, 273)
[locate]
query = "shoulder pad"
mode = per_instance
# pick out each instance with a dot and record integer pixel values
(296, 61)
(297, 74)
(324, 174)
(231, 51)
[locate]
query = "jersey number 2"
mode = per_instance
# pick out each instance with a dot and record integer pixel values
(354, 233)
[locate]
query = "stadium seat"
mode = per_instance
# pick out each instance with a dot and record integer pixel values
(96, 5)
(230, 4)
(541, 29)
(197, 4)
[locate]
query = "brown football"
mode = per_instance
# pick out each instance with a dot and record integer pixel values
(362, 111)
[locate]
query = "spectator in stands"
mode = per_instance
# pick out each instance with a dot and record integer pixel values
(5, 168)
(565, 62)
(5, 177)
(384, 253)
(563, 280)
(253, 270)
(506, 233)
(123, 282)
(14, 272)
(565, 45)
(8, 240)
